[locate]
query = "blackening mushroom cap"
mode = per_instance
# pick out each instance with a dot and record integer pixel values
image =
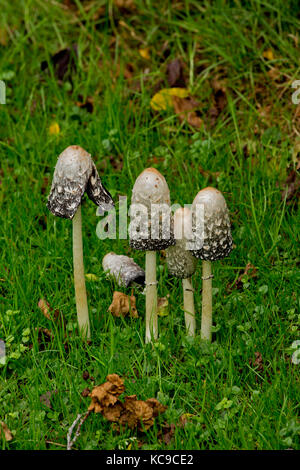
(123, 269)
(75, 173)
(217, 240)
(181, 263)
(151, 190)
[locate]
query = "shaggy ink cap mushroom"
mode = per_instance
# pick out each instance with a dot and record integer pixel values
(123, 269)
(217, 241)
(75, 173)
(151, 189)
(181, 263)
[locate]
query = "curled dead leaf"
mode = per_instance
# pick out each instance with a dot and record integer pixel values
(163, 306)
(106, 394)
(123, 305)
(185, 108)
(6, 431)
(132, 413)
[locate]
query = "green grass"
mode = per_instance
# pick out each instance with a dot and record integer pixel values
(249, 151)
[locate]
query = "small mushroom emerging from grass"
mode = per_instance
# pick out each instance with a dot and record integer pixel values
(150, 196)
(182, 264)
(217, 244)
(75, 173)
(123, 269)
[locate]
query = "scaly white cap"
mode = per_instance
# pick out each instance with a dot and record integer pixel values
(217, 240)
(149, 191)
(123, 269)
(181, 263)
(75, 173)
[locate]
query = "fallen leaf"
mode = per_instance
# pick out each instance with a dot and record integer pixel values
(175, 74)
(85, 375)
(54, 129)
(185, 109)
(137, 414)
(46, 309)
(163, 306)
(127, 5)
(7, 433)
(268, 54)
(123, 305)
(292, 187)
(63, 62)
(219, 98)
(257, 363)
(145, 53)
(168, 431)
(106, 394)
(91, 277)
(132, 413)
(85, 392)
(88, 104)
(44, 306)
(163, 99)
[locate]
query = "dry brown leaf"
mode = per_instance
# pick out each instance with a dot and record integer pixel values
(257, 363)
(168, 432)
(156, 406)
(132, 412)
(123, 305)
(106, 394)
(50, 313)
(137, 414)
(113, 413)
(175, 74)
(7, 433)
(185, 109)
(128, 5)
(220, 99)
(44, 307)
(292, 186)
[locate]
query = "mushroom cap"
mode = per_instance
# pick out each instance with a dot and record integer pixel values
(181, 263)
(75, 173)
(123, 269)
(217, 241)
(151, 188)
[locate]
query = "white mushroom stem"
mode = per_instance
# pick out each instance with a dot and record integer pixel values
(151, 297)
(79, 280)
(206, 321)
(188, 305)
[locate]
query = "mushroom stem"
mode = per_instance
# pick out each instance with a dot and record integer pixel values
(188, 305)
(206, 321)
(151, 297)
(79, 280)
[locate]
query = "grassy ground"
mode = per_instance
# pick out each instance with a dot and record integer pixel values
(240, 392)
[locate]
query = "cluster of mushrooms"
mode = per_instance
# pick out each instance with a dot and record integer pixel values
(75, 174)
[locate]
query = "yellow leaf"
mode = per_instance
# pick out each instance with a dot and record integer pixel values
(91, 277)
(163, 99)
(163, 306)
(268, 54)
(54, 129)
(145, 53)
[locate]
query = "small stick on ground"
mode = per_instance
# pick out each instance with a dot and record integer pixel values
(70, 442)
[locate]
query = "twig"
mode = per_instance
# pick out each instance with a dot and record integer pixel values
(70, 442)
